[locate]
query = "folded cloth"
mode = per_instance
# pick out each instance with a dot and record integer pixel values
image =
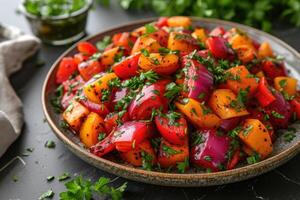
(14, 49)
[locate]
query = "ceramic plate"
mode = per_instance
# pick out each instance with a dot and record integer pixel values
(283, 151)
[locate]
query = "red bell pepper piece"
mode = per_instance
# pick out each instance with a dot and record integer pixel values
(80, 57)
(273, 70)
(149, 98)
(161, 22)
(111, 120)
(219, 48)
(86, 48)
(263, 94)
(218, 31)
(100, 109)
(66, 68)
(296, 107)
(236, 157)
(175, 133)
(129, 135)
(127, 67)
(89, 68)
(104, 147)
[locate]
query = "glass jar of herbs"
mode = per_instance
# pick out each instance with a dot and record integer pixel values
(57, 22)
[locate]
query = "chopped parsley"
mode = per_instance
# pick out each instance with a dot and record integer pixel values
(182, 166)
(147, 160)
(253, 159)
(145, 52)
(50, 144)
(155, 92)
(277, 115)
(163, 50)
(64, 176)
(289, 135)
(47, 195)
(80, 188)
(207, 158)
(102, 44)
(55, 101)
(169, 150)
(172, 90)
(101, 136)
(197, 138)
(150, 28)
(105, 94)
(283, 83)
(50, 178)
(247, 130)
(173, 117)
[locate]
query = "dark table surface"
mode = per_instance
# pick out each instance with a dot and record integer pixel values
(282, 183)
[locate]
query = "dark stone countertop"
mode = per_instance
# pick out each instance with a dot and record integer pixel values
(279, 184)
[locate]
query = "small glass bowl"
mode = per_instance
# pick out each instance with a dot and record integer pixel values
(59, 30)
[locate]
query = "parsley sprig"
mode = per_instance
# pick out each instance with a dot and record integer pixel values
(80, 188)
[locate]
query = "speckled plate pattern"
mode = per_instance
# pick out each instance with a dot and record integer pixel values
(283, 151)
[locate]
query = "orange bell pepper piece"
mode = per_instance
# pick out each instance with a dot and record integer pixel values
(179, 21)
(93, 89)
(286, 84)
(255, 135)
(200, 34)
(224, 103)
(75, 114)
(90, 129)
(240, 78)
(265, 50)
(198, 114)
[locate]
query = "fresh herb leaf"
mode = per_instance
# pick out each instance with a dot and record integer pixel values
(172, 90)
(289, 134)
(47, 195)
(247, 130)
(101, 136)
(50, 178)
(173, 117)
(101, 45)
(50, 144)
(169, 150)
(253, 159)
(55, 101)
(150, 28)
(277, 115)
(147, 160)
(182, 166)
(145, 52)
(64, 176)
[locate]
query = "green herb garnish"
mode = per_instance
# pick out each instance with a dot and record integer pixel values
(47, 195)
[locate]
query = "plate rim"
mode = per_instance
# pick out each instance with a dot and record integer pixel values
(171, 179)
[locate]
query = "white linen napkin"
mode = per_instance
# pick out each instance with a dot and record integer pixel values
(14, 49)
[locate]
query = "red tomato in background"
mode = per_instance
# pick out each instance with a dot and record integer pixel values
(66, 68)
